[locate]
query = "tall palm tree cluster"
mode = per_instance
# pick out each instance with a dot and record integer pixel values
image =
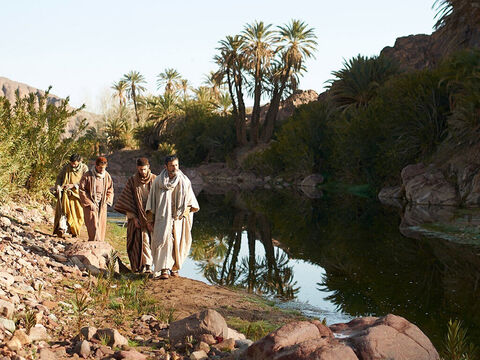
(176, 94)
(262, 61)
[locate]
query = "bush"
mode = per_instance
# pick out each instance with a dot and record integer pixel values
(32, 147)
(204, 138)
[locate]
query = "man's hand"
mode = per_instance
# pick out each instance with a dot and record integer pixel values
(186, 212)
(150, 227)
(136, 222)
(68, 186)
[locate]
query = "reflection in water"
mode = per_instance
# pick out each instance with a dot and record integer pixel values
(219, 258)
(369, 267)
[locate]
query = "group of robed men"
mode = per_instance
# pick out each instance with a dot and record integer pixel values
(159, 211)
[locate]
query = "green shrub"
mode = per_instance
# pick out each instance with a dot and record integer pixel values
(32, 147)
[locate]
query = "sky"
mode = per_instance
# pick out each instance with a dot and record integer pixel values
(81, 47)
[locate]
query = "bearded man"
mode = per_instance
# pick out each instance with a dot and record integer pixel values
(96, 192)
(170, 207)
(68, 211)
(132, 203)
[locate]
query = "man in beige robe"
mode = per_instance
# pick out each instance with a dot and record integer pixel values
(68, 198)
(132, 203)
(96, 192)
(170, 207)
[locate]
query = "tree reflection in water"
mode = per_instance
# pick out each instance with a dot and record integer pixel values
(219, 255)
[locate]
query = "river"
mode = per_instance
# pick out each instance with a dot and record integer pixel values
(342, 256)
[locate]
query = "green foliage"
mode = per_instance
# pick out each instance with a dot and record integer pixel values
(359, 81)
(117, 127)
(32, 142)
(301, 146)
(204, 137)
(456, 344)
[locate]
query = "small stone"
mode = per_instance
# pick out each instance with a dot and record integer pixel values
(38, 333)
(88, 332)
(7, 324)
(6, 279)
(82, 348)
(243, 343)
(198, 355)
(203, 346)
(47, 354)
(130, 355)
(50, 305)
(235, 335)
(14, 344)
(225, 345)
(7, 309)
(207, 338)
(5, 222)
(22, 336)
(114, 338)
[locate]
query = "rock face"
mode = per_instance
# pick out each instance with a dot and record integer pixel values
(390, 337)
(205, 322)
(427, 185)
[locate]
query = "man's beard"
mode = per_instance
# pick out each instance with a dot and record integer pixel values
(144, 176)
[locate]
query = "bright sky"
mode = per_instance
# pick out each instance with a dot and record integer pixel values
(82, 47)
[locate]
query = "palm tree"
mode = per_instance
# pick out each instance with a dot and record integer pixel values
(231, 64)
(134, 80)
(296, 44)
(184, 86)
(356, 84)
(214, 81)
(120, 88)
(224, 104)
(257, 44)
(170, 79)
(162, 107)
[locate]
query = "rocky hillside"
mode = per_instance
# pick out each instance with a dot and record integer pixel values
(9, 87)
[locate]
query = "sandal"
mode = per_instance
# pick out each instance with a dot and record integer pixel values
(174, 273)
(164, 275)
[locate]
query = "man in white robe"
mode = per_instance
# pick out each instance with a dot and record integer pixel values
(170, 207)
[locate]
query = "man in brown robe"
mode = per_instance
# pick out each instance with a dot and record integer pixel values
(68, 211)
(132, 203)
(96, 192)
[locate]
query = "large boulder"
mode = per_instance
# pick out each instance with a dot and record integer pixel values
(389, 337)
(427, 185)
(300, 340)
(205, 322)
(91, 253)
(369, 338)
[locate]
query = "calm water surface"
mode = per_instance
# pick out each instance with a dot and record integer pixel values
(337, 257)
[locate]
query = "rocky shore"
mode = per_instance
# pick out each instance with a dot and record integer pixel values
(48, 287)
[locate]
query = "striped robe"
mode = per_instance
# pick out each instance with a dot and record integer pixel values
(131, 201)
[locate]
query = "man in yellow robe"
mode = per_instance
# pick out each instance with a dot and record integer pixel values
(69, 212)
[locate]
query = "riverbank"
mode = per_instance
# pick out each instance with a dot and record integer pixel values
(48, 295)
(42, 287)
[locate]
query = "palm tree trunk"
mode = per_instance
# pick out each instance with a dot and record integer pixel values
(254, 126)
(242, 114)
(272, 112)
(135, 104)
